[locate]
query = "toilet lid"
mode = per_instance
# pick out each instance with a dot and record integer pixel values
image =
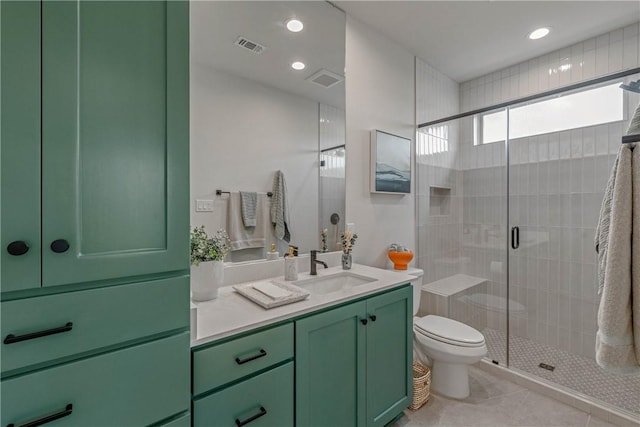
(449, 331)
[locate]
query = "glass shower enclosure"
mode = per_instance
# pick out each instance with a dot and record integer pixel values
(507, 204)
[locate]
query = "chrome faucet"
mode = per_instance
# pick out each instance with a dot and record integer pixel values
(314, 261)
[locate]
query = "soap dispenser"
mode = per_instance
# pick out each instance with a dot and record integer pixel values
(290, 266)
(273, 254)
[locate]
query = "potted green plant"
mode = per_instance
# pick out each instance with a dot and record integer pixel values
(207, 267)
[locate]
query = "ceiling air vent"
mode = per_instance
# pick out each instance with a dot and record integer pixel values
(250, 45)
(325, 78)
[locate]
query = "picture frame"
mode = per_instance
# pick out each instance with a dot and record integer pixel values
(390, 163)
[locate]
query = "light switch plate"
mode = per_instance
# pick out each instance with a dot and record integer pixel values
(204, 205)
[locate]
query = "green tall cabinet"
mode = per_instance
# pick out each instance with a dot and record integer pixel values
(94, 211)
(353, 363)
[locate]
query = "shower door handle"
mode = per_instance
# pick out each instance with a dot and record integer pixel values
(515, 237)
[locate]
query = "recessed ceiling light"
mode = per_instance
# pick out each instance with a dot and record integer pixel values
(294, 25)
(539, 33)
(298, 65)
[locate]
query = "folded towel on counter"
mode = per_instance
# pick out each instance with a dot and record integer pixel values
(280, 208)
(240, 236)
(619, 310)
(249, 204)
(272, 291)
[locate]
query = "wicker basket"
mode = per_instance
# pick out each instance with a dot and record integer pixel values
(421, 385)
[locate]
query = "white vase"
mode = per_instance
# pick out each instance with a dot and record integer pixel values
(206, 278)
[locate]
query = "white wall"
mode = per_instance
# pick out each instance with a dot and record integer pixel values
(380, 94)
(241, 133)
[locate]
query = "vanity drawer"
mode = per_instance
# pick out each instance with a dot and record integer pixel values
(217, 365)
(183, 421)
(98, 317)
(267, 398)
(131, 387)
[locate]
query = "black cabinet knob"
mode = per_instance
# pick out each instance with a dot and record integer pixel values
(59, 246)
(364, 321)
(373, 317)
(18, 248)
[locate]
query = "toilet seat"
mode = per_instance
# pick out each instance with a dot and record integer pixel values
(448, 331)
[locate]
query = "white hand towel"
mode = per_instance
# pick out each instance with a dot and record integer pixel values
(272, 291)
(615, 350)
(240, 236)
(249, 204)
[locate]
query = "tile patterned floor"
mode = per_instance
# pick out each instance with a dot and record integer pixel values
(574, 372)
(496, 402)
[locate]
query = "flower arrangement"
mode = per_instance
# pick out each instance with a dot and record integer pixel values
(348, 240)
(323, 236)
(205, 248)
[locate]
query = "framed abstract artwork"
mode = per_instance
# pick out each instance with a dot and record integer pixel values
(390, 163)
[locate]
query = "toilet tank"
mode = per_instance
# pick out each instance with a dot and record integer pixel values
(416, 284)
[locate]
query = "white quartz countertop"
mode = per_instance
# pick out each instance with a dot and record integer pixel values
(231, 313)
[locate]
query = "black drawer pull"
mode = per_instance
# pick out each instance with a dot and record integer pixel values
(47, 419)
(364, 321)
(10, 339)
(18, 248)
(249, 359)
(59, 246)
(373, 317)
(252, 418)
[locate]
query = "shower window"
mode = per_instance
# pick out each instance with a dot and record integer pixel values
(432, 140)
(591, 107)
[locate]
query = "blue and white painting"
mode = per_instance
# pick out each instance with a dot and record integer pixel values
(392, 163)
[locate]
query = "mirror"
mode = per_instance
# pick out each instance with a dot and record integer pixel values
(252, 115)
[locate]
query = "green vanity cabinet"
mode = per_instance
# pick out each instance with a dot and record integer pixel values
(20, 144)
(353, 363)
(94, 202)
(245, 379)
(95, 98)
(389, 355)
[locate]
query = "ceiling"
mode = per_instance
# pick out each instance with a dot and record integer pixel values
(215, 26)
(467, 39)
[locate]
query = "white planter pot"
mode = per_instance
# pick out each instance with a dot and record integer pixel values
(206, 278)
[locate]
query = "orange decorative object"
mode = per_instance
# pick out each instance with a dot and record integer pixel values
(400, 259)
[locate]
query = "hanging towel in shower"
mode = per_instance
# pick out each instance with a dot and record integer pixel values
(280, 208)
(635, 252)
(615, 346)
(240, 236)
(602, 228)
(248, 204)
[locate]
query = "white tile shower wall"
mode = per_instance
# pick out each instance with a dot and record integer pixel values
(606, 54)
(332, 175)
(555, 199)
(332, 126)
(438, 233)
(556, 186)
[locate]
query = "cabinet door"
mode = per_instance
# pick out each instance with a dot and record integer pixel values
(330, 368)
(20, 144)
(115, 139)
(389, 355)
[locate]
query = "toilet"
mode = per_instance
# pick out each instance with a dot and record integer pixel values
(445, 345)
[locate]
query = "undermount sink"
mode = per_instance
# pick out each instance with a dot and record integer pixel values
(333, 282)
